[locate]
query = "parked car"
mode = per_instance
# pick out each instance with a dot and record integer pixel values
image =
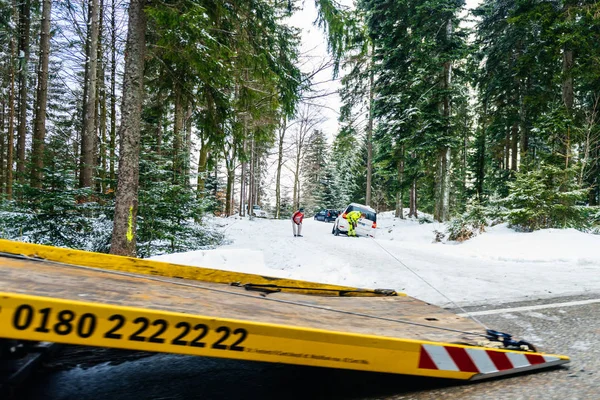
(327, 215)
(365, 226)
(259, 212)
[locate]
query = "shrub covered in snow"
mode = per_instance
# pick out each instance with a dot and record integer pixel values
(469, 224)
(57, 218)
(545, 197)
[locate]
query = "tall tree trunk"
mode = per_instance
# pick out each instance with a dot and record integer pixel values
(88, 135)
(177, 135)
(399, 200)
(39, 126)
(24, 33)
(216, 170)
(103, 136)
(11, 116)
(281, 137)
(443, 187)
(230, 155)
(2, 147)
(188, 143)
(524, 140)
(113, 94)
(442, 203)
(465, 154)
(242, 209)
(257, 176)
(101, 100)
(480, 171)
(229, 190)
(202, 160)
(507, 149)
(370, 129)
(251, 178)
(514, 148)
(413, 200)
(568, 97)
(125, 220)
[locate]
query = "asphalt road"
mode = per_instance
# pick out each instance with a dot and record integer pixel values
(573, 330)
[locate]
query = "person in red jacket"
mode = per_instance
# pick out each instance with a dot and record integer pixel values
(297, 221)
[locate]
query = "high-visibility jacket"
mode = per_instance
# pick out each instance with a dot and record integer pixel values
(353, 216)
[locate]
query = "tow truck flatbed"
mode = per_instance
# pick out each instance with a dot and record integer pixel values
(74, 297)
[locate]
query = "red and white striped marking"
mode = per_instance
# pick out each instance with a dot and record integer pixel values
(481, 361)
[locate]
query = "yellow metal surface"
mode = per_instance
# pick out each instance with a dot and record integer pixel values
(158, 268)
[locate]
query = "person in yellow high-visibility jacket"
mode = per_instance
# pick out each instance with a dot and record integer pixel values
(353, 217)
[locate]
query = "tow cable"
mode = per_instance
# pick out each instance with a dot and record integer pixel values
(492, 335)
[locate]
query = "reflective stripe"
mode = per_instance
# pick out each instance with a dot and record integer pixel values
(440, 357)
(499, 359)
(518, 360)
(482, 360)
(550, 359)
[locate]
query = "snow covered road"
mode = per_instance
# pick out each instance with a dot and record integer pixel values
(498, 266)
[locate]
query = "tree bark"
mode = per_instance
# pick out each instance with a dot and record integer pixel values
(202, 160)
(101, 101)
(229, 189)
(88, 135)
(443, 188)
(567, 83)
(124, 224)
(242, 209)
(514, 148)
(524, 140)
(188, 142)
(480, 172)
(251, 178)
(370, 130)
(113, 94)
(2, 146)
(11, 116)
(177, 135)
(568, 98)
(25, 22)
(399, 200)
(230, 155)
(442, 203)
(413, 200)
(39, 126)
(507, 149)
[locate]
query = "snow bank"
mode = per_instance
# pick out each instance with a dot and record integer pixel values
(239, 260)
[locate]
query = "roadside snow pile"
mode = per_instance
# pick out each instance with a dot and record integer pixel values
(498, 242)
(546, 245)
(239, 260)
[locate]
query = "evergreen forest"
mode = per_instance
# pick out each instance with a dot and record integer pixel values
(125, 124)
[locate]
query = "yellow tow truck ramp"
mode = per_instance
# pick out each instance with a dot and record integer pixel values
(75, 297)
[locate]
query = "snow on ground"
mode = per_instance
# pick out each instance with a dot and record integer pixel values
(498, 266)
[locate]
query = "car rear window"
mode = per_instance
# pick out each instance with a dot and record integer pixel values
(370, 215)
